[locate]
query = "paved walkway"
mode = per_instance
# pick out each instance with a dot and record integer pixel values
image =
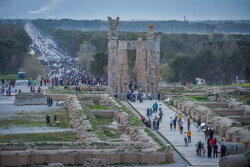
(177, 139)
(179, 161)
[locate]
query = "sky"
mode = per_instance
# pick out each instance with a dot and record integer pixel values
(127, 9)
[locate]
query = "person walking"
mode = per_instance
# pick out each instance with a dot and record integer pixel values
(151, 113)
(154, 107)
(47, 119)
(199, 125)
(147, 112)
(206, 133)
(212, 141)
(181, 127)
(160, 108)
(160, 115)
(209, 150)
(159, 97)
(223, 150)
(174, 121)
(189, 136)
(185, 139)
(211, 133)
(157, 123)
(200, 147)
(171, 123)
(215, 148)
(188, 123)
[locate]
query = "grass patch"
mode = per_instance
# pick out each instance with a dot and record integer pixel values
(17, 121)
(111, 133)
(103, 120)
(99, 107)
(9, 77)
(119, 140)
(67, 136)
(31, 119)
(199, 98)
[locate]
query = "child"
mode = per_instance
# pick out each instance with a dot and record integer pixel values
(189, 136)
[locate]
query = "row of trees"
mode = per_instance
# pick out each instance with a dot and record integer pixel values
(171, 26)
(14, 45)
(215, 66)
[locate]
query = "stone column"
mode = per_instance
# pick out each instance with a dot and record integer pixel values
(140, 64)
(112, 52)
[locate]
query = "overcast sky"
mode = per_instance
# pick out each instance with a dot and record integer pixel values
(127, 9)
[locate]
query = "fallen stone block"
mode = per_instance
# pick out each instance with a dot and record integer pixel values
(233, 161)
(93, 162)
(55, 165)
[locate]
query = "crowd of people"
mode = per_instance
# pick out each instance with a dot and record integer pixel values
(154, 118)
(8, 87)
(61, 70)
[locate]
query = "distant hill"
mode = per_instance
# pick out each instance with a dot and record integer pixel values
(171, 26)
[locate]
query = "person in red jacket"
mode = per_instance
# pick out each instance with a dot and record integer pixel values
(212, 141)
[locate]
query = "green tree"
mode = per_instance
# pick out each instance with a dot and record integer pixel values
(98, 66)
(167, 73)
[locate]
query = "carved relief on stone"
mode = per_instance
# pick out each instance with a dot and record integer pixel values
(150, 28)
(112, 26)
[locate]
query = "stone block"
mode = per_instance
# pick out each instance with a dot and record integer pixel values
(203, 119)
(188, 111)
(183, 108)
(121, 128)
(64, 159)
(197, 116)
(193, 112)
(236, 138)
(178, 106)
(129, 158)
(233, 161)
(222, 132)
(38, 159)
(55, 165)
(217, 105)
(93, 162)
(229, 136)
(175, 103)
(127, 131)
(14, 160)
(153, 158)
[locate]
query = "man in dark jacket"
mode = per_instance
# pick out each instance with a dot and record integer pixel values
(211, 133)
(215, 148)
(223, 150)
(209, 150)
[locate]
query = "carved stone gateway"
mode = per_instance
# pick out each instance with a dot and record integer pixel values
(147, 64)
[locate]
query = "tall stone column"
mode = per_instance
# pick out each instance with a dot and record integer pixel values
(112, 52)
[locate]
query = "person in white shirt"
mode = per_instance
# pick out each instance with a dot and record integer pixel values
(171, 123)
(185, 139)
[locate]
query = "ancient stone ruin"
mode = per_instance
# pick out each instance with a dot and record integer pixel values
(147, 65)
